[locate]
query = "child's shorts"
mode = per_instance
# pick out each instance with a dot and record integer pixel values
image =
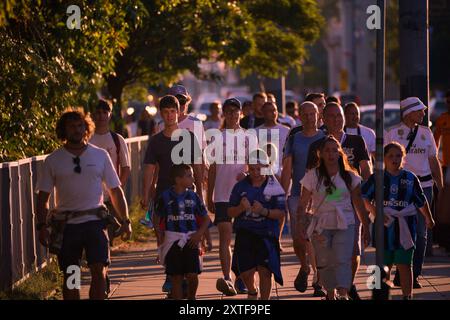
(399, 256)
(183, 261)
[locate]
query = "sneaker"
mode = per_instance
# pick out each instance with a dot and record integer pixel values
(417, 284)
(226, 287)
(108, 285)
(353, 293)
(301, 281)
(318, 290)
(167, 286)
(253, 295)
(240, 287)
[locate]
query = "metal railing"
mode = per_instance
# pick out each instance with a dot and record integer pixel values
(21, 254)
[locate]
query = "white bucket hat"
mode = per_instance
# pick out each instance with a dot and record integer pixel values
(411, 104)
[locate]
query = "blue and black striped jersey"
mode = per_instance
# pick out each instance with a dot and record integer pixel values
(180, 212)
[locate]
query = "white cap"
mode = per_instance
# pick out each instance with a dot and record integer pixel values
(411, 104)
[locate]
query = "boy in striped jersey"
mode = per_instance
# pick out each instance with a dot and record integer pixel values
(181, 221)
(403, 196)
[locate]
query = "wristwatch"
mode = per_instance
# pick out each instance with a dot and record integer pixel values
(40, 226)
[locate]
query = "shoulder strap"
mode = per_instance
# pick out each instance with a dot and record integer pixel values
(411, 138)
(117, 143)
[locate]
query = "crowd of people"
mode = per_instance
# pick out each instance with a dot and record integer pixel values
(258, 174)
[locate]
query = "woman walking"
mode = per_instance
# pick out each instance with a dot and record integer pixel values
(333, 186)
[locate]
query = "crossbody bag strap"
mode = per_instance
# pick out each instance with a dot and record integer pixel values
(412, 138)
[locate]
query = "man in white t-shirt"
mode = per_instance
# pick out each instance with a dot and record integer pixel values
(117, 149)
(422, 159)
(273, 132)
(76, 171)
(352, 126)
(227, 163)
(112, 142)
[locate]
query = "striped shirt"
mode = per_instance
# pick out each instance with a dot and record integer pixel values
(180, 212)
(399, 192)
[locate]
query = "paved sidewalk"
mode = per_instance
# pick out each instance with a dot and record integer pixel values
(136, 276)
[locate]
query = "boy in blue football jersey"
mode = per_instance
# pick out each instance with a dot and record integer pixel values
(257, 203)
(181, 220)
(403, 196)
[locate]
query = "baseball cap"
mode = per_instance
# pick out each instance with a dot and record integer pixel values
(411, 104)
(232, 102)
(177, 90)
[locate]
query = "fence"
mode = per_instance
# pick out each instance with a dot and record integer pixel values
(20, 251)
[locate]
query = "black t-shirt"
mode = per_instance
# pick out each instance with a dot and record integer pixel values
(159, 151)
(354, 147)
(146, 126)
(245, 122)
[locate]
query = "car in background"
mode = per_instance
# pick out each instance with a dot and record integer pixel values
(201, 107)
(391, 115)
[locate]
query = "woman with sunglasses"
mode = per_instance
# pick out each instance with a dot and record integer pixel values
(257, 203)
(333, 186)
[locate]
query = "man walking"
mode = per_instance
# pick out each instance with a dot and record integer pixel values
(77, 171)
(422, 160)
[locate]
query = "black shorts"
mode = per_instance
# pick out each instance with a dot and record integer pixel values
(91, 236)
(183, 261)
(249, 252)
(221, 212)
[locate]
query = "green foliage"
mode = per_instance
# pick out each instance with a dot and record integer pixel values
(38, 286)
(47, 67)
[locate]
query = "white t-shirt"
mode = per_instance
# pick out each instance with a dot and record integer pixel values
(192, 124)
(106, 141)
(367, 134)
(236, 156)
(283, 133)
(78, 191)
(341, 197)
(421, 150)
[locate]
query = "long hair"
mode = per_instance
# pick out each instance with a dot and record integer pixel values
(345, 169)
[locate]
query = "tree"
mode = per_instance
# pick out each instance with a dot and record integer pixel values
(47, 67)
(262, 36)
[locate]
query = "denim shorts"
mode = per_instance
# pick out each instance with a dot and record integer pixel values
(90, 236)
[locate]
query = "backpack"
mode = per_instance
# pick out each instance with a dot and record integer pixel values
(115, 138)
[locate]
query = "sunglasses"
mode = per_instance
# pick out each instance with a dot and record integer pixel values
(77, 168)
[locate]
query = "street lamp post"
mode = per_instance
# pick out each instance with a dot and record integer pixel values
(380, 293)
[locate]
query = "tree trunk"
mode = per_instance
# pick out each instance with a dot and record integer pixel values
(115, 89)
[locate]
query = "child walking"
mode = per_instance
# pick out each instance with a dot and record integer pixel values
(403, 196)
(182, 220)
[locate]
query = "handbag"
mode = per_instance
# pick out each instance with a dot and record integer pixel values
(307, 219)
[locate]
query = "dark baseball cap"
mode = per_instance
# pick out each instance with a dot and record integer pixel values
(232, 102)
(178, 90)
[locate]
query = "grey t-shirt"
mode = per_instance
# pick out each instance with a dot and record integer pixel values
(159, 151)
